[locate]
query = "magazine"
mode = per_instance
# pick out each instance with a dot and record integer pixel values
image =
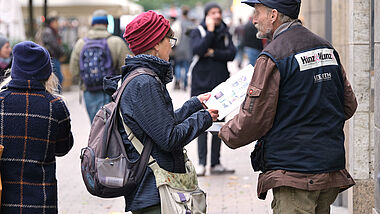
(229, 95)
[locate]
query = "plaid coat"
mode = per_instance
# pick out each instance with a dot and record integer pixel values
(34, 128)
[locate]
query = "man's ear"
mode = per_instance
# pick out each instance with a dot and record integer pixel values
(274, 15)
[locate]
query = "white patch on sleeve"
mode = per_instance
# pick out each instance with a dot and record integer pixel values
(316, 58)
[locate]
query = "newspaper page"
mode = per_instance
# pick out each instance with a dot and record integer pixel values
(229, 95)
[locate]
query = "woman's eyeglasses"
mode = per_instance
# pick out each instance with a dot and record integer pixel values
(172, 41)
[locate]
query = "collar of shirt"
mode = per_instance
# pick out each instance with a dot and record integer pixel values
(285, 26)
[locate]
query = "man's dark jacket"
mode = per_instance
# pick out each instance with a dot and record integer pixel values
(250, 39)
(307, 133)
(211, 71)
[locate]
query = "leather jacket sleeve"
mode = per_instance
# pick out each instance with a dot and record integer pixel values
(350, 103)
(257, 113)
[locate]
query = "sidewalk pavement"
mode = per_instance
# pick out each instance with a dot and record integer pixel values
(226, 194)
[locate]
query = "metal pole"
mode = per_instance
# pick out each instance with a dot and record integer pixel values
(31, 21)
(372, 34)
(328, 21)
(45, 9)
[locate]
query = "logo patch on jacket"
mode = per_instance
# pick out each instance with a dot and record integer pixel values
(316, 58)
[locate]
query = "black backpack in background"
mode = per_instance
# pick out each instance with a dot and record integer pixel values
(106, 170)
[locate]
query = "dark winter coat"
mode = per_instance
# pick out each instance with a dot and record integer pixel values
(211, 71)
(182, 50)
(35, 128)
(52, 42)
(250, 39)
(148, 110)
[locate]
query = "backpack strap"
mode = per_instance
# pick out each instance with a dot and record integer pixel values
(138, 145)
(131, 137)
(202, 31)
(117, 95)
(113, 122)
(195, 59)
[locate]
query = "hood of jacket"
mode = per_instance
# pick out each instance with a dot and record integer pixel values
(162, 68)
(97, 32)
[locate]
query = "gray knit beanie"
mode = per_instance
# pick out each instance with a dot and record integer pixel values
(3, 40)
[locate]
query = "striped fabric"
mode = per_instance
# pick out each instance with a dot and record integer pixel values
(34, 128)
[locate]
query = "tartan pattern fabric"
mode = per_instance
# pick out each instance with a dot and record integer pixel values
(34, 128)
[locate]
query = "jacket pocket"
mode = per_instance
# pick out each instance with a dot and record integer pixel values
(252, 93)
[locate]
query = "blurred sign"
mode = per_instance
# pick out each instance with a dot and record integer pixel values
(11, 20)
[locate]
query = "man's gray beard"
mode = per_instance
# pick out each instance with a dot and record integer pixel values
(261, 35)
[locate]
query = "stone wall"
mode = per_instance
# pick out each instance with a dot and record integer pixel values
(361, 141)
(377, 102)
(313, 16)
(351, 36)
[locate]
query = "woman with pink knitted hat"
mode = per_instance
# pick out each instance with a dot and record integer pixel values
(147, 108)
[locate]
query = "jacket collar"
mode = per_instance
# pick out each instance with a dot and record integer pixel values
(162, 68)
(98, 31)
(26, 84)
(285, 26)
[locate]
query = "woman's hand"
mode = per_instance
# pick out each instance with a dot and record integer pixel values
(204, 97)
(214, 114)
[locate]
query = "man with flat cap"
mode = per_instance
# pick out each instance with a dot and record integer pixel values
(296, 105)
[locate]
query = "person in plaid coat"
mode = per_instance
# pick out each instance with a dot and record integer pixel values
(34, 129)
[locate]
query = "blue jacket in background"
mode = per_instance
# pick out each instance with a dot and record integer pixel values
(211, 71)
(148, 110)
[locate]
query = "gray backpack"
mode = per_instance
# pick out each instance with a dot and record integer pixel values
(106, 170)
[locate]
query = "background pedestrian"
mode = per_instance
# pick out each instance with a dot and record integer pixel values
(5, 56)
(92, 70)
(252, 45)
(239, 35)
(212, 43)
(51, 40)
(35, 129)
(182, 51)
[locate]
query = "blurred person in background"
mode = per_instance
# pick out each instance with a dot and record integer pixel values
(52, 42)
(172, 59)
(212, 45)
(252, 45)
(108, 62)
(35, 128)
(182, 52)
(239, 35)
(5, 56)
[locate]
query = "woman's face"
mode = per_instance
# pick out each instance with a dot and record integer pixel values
(164, 48)
(5, 51)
